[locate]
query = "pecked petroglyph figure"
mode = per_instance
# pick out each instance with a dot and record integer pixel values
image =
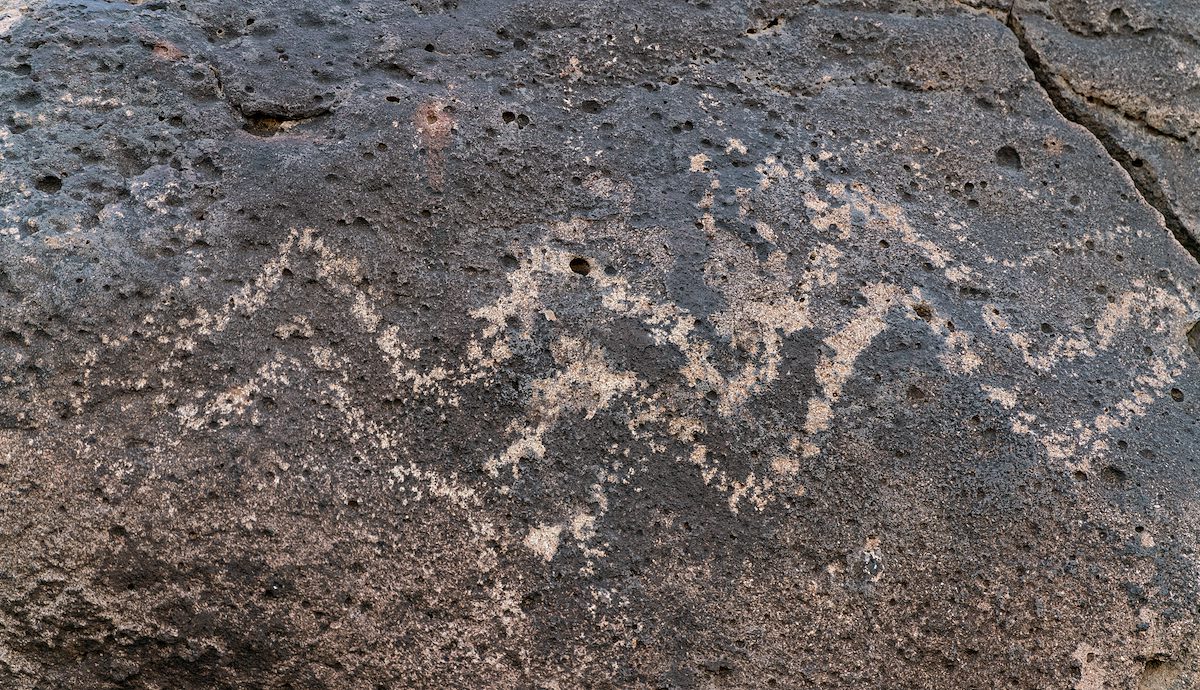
(556, 345)
(796, 307)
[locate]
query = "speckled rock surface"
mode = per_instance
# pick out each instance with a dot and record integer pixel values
(1130, 72)
(559, 344)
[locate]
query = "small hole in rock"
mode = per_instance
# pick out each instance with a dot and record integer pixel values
(581, 266)
(49, 184)
(1113, 475)
(1008, 157)
(1176, 395)
(1193, 337)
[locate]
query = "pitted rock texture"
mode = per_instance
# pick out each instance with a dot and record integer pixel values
(1129, 72)
(555, 345)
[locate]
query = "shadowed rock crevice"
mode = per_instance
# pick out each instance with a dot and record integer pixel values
(266, 124)
(1143, 176)
(266, 121)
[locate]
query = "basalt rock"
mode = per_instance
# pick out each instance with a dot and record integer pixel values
(1129, 74)
(554, 344)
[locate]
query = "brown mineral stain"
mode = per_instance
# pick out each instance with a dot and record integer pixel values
(434, 122)
(167, 51)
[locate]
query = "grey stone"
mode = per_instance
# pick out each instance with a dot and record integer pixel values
(552, 344)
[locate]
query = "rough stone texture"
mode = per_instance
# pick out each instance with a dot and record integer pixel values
(558, 344)
(1130, 72)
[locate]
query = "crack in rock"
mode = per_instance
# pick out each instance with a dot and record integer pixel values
(1143, 178)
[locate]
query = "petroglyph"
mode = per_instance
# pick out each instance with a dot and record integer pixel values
(436, 344)
(767, 303)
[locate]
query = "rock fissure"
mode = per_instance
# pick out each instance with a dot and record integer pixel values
(1140, 120)
(266, 122)
(1144, 180)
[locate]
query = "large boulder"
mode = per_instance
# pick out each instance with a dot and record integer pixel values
(555, 344)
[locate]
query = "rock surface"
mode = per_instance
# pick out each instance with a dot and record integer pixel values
(1131, 74)
(555, 344)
